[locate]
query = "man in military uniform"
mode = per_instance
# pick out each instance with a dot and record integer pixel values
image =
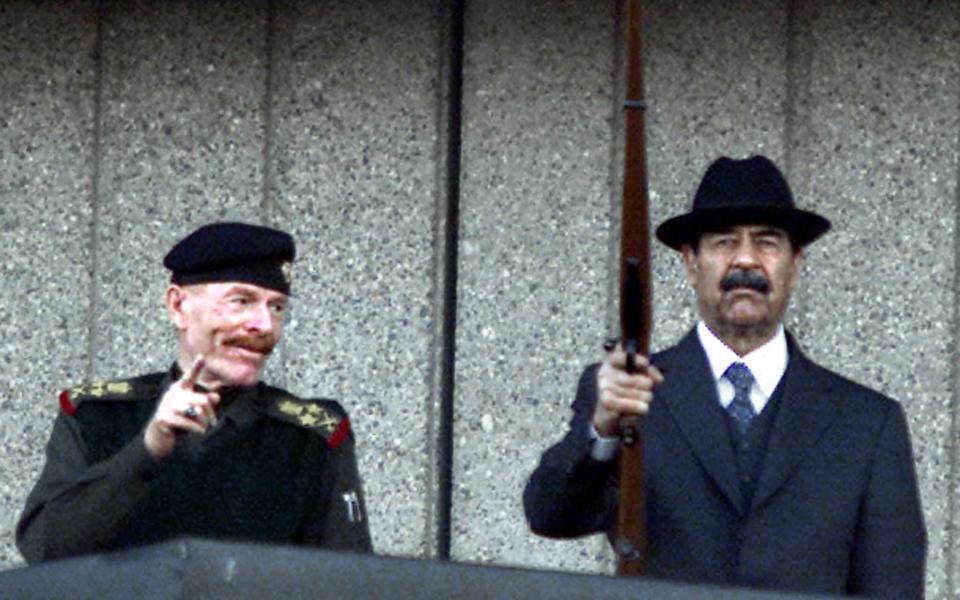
(205, 449)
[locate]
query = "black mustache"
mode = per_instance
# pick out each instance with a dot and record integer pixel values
(745, 279)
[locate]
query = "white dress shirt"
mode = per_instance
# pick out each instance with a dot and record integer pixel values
(767, 363)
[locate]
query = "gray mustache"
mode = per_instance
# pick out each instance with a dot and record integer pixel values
(745, 279)
(250, 342)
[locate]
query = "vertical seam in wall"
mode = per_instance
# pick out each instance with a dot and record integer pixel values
(94, 241)
(268, 205)
(451, 234)
(952, 536)
(617, 143)
(266, 200)
(432, 400)
(797, 92)
(790, 127)
(790, 93)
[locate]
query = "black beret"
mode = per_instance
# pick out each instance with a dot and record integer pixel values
(233, 252)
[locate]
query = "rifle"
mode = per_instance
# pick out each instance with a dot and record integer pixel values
(635, 303)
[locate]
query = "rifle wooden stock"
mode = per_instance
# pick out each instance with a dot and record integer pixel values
(635, 302)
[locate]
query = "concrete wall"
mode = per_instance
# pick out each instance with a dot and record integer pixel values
(125, 124)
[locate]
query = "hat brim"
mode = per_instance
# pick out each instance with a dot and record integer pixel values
(803, 226)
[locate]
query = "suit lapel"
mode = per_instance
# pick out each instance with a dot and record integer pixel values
(690, 395)
(806, 410)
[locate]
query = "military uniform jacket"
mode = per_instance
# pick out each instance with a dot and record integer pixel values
(835, 507)
(274, 469)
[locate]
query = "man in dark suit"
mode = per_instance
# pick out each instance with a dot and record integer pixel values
(763, 469)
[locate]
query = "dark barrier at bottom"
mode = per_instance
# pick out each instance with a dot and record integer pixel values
(209, 570)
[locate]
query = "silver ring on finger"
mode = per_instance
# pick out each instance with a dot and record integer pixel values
(191, 412)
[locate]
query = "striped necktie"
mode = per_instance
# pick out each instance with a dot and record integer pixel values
(741, 409)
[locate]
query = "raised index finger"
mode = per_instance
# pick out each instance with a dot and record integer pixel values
(189, 378)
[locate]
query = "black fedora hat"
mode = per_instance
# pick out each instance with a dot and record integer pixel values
(737, 192)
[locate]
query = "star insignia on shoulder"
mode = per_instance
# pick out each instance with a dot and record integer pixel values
(316, 416)
(94, 390)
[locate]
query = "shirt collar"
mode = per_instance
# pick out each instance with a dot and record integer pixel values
(768, 363)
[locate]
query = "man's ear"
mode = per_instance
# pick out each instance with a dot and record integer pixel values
(797, 268)
(177, 301)
(690, 260)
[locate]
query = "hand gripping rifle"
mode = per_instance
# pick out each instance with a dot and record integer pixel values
(635, 303)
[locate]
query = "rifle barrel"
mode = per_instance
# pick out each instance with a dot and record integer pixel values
(635, 301)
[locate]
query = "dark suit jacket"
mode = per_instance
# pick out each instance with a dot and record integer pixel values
(836, 507)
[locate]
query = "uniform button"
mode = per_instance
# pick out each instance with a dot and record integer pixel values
(745, 447)
(745, 479)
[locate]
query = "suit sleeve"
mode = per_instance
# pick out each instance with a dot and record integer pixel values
(889, 553)
(339, 521)
(77, 507)
(570, 494)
